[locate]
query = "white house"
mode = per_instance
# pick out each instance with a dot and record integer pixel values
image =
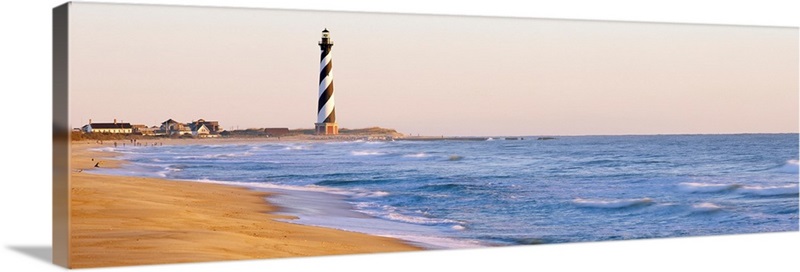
(116, 128)
(200, 131)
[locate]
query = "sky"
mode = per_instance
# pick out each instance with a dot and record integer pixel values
(430, 75)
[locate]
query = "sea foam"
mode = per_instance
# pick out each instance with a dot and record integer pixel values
(790, 167)
(458, 227)
(706, 207)
(393, 213)
(297, 147)
(105, 149)
(214, 156)
(366, 153)
(416, 155)
(698, 187)
(790, 189)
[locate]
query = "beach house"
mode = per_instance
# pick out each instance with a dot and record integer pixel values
(116, 128)
(144, 130)
(204, 129)
(172, 127)
(213, 126)
(199, 128)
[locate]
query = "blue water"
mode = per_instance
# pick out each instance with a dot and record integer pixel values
(446, 194)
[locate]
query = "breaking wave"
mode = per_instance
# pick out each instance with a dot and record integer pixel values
(697, 187)
(214, 156)
(790, 167)
(394, 214)
(366, 153)
(693, 187)
(706, 207)
(416, 155)
(790, 189)
(297, 147)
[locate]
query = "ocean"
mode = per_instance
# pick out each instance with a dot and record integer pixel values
(460, 194)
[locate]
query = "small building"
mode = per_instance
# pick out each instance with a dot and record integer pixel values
(246, 133)
(213, 126)
(114, 128)
(276, 132)
(202, 131)
(157, 131)
(172, 127)
(199, 131)
(142, 130)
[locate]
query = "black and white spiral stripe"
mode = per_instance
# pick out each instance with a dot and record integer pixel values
(326, 113)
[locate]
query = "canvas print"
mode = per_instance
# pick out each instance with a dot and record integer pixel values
(189, 134)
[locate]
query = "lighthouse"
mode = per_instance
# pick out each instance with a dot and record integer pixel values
(326, 109)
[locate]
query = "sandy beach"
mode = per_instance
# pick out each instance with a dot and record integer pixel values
(120, 220)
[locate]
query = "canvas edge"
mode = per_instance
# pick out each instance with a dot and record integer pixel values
(62, 130)
(61, 135)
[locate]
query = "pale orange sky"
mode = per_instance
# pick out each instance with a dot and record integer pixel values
(430, 75)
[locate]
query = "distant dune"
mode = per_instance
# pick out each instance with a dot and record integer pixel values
(371, 131)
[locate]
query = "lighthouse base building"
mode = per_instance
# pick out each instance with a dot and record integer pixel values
(326, 128)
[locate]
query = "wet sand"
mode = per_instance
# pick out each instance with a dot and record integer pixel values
(121, 220)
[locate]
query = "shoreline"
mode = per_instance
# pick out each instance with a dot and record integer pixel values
(125, 220)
